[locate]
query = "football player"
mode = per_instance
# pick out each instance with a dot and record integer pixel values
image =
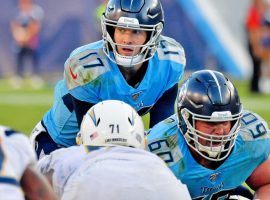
(18, 177)
(211, 144)
(133, 63)
(111, 162)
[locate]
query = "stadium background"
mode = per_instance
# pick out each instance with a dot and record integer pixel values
(211, 37)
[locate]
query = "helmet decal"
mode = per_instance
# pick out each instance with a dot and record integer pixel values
(217, 83)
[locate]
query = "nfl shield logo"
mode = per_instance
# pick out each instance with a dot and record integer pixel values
(214, 176)
(136, 95)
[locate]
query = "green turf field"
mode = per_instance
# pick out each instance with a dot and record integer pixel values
(23, 108)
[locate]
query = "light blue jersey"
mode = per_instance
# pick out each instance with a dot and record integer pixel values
(60, 121)
(252, 147)
(92, 77)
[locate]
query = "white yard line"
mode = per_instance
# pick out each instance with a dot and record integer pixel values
(46, 99)
(26, 99)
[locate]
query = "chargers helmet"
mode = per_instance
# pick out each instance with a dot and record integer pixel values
(112, 123)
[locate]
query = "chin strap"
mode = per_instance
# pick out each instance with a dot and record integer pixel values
(128, 61)
(213, 152)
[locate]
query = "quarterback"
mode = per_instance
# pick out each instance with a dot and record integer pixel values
(133, 63)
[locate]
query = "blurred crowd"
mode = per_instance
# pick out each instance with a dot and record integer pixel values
(26, 28)
(258, 29)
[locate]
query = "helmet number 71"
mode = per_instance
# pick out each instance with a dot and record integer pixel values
(114, 128)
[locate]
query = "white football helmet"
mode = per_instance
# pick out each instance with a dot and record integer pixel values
(112, 123)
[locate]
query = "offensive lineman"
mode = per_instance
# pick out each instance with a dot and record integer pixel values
(111, 162)
(18, 177)
(211, 144)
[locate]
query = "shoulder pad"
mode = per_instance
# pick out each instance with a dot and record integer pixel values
(253, 127)
(163, 128)
(7, 131)
(170, 49)
(162, 140)
(166, 148)
(85, 65)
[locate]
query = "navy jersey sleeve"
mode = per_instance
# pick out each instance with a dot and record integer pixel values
(164, 107)
(80, 107)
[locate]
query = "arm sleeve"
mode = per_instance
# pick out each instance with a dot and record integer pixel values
(80, 107)
(164, 107)
(63, 162)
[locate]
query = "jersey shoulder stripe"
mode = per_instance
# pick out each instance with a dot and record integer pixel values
(9, 180)
(7, 131)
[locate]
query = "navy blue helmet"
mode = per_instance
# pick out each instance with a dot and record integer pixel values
(209, 96)
(145, 15)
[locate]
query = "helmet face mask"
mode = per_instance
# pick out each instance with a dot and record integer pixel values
(143, 16)
(112, 123)
(210, 97)
(211, 147)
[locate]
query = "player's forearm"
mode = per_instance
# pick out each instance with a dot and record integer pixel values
(35, 186)
(263, 192)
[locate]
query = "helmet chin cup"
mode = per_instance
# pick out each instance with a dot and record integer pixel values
(128, 61)
(212, 152)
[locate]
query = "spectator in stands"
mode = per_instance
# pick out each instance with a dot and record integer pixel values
(264, 82)
(25, 28)
(254, 30)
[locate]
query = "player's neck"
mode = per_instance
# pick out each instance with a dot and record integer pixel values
(132, 69)
(134, 75)
(204, 162)
(210, 164)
